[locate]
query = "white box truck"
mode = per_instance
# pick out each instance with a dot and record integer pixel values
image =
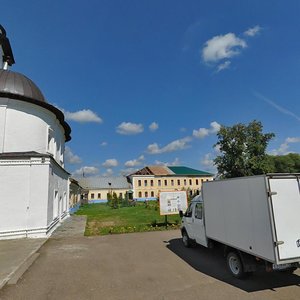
(256, 220)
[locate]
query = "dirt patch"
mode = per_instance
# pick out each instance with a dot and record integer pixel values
(107, 223)
(94, 226)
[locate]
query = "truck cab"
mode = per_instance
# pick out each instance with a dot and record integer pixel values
(193, 223)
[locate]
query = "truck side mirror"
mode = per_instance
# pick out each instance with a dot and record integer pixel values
(180, 213)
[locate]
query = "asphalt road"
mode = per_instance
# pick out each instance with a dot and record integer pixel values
(151, 265)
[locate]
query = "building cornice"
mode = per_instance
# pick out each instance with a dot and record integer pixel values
(28, 158)
(59, 114)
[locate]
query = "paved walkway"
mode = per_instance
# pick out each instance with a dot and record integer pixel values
(17, 255)
(72, 227)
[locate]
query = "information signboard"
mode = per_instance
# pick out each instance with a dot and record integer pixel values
(171, 203)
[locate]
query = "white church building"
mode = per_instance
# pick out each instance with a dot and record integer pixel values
(34, 186)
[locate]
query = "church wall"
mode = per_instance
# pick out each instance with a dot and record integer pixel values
(28, 205)
(14, 195)
(3, 103)
(58, 196)
(38, 194)
(27, 128)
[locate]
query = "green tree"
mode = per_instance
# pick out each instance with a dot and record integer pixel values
(115, 200)
(109, 199)
(289, 163)
(242, 150)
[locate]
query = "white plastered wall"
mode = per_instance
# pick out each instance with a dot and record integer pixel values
(24, 127)
(59, 182)
(26, 195)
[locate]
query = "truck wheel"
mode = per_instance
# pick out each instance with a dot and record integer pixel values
(186, 240)
(235, 265)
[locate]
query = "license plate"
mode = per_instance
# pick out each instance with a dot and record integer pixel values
(281, 267)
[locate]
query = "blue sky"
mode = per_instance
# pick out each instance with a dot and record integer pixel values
(150, 82)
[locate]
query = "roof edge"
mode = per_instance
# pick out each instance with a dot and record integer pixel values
(58, 113)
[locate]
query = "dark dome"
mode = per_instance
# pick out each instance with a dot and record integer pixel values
(17, 84)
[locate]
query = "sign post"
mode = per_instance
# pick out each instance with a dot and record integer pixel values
(170, 203)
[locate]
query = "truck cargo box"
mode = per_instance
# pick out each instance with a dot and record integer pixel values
(259, 215)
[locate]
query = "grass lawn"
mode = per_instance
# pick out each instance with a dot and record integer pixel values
(102, 219)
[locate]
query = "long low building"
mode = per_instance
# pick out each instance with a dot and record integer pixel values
(97, 189)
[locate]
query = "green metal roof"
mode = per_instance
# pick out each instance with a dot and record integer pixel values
(180, 170)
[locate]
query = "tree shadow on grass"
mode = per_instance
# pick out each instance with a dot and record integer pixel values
(212, 263)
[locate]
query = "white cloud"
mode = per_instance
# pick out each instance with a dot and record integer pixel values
(134, 162)
(70, 157)
(253, 31)
(171, 147)
(207, 163)
(128, 128)
(128, 171)
(284, 147)
(82, 116)
(217, 149)
(203, 132)
(222, 47)
(207, 160)
(214, 127)
(109, 172)
(110, 163)
(293, 140)
(223, 66)
(103, 144)
(277, 107)
(200, 133)
(86, 171)
(153, 126)
(176, 162)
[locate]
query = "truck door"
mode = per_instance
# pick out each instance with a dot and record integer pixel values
(197, 225)
(286, 209)
(188, 220)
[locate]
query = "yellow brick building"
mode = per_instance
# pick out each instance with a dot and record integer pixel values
(148, 182)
